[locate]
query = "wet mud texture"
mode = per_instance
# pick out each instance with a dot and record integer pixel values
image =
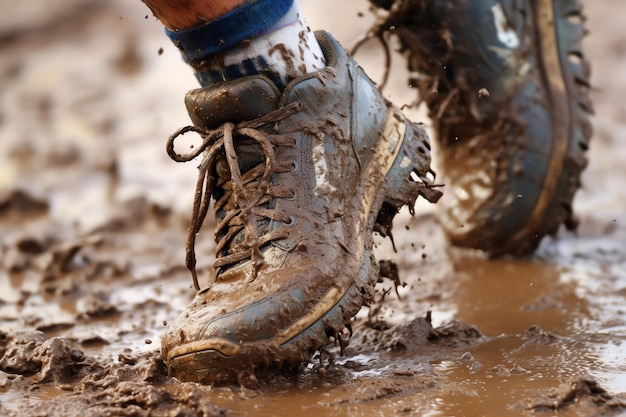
(92, 235)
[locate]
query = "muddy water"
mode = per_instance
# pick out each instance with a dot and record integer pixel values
(92, 250)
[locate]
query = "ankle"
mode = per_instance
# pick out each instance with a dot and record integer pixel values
(267, 37)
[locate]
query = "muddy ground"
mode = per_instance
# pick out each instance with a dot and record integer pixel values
(93, 221)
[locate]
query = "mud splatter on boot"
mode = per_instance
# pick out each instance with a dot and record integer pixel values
(298, 178)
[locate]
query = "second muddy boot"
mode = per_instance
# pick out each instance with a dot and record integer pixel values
(506, 84)
(298, 178)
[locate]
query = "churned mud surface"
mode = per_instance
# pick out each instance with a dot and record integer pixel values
(93, 221)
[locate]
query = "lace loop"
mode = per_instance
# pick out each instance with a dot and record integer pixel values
(244, 193)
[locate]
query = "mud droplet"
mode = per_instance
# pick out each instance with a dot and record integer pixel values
(148, 341)
(31, 246)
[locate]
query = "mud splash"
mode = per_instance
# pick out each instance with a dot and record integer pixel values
(92, 236)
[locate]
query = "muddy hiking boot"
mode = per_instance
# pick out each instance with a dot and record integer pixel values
(506, 84)
(299, 179)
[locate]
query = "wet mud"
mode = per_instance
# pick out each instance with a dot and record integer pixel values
(93, 221)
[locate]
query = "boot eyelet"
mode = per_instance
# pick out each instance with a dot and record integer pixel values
(291, 222)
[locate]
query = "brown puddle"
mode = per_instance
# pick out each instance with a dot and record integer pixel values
(524, 334)
(91, 255)
(539, 339)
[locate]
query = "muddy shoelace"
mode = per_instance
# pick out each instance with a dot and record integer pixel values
(244, 194)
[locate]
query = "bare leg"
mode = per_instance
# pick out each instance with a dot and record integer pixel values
(182, 14)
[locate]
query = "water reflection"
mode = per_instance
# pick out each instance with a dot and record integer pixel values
(542, 333)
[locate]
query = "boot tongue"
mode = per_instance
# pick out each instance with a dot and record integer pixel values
(236, 101)
(233, 102)
(249, 155)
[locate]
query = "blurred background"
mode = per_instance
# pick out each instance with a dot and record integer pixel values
(97, 84)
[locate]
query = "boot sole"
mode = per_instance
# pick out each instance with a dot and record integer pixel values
(565, 75)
